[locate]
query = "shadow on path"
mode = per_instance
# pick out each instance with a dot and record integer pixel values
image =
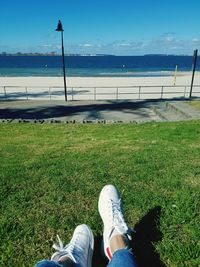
(123, 109)
(46, 110)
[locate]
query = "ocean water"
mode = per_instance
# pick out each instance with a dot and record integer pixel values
(94, 66)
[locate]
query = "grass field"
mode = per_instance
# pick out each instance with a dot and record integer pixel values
(51, 176)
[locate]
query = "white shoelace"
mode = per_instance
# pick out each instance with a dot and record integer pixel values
(118, 220)
(67, 250)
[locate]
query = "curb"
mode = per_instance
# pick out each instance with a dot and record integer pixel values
(53, 121)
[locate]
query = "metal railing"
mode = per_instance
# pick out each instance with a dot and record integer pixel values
(97, 93)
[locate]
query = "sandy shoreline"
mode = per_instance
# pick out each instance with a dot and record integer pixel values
(40, 86)
(183, 78)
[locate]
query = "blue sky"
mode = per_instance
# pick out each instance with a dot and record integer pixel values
(128, 27)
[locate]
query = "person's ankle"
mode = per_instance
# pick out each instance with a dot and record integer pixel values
(65, 261)
(118, 242)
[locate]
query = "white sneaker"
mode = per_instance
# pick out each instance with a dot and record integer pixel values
(110, 210)
(79, 249)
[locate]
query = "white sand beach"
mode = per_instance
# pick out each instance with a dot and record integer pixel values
(98, 87)
(183, 78)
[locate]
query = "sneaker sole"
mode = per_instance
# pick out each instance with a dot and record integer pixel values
(91, 248)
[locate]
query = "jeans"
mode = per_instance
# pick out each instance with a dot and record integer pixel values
(122, 257)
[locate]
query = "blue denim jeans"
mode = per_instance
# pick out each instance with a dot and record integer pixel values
(122, 257)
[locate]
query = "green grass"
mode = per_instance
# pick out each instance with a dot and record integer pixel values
(51, 176)
(194, 104)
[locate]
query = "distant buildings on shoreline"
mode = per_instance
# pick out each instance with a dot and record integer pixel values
(86, 55)
(48, 54)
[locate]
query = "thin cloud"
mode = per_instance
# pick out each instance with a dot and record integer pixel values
(166, 43)
(87, 45)
(169, 39)
(123, 44)
(195, 40)
(48, 45)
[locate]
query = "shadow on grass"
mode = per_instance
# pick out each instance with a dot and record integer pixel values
(98, 258)
(147, 233)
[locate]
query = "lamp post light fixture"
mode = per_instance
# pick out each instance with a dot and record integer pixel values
(60, 29)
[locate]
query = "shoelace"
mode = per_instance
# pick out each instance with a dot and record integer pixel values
(68, 249)
(118, 220)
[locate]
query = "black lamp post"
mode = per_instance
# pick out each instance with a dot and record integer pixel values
(60, 29)
(193, 69)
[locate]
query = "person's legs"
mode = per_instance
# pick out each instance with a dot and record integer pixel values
(123, 257)
(78, 253)
(47, 263)
(116, 233)
(118, 242)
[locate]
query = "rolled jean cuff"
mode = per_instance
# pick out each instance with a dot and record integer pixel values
(123, 257)
(48, 263)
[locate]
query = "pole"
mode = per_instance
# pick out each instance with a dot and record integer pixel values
(175, 73)
(139, 91)
(162, 92)
(63, 61)
(194, 68)
(5, 92)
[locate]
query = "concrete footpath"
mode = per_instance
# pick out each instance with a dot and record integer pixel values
(109, 111)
